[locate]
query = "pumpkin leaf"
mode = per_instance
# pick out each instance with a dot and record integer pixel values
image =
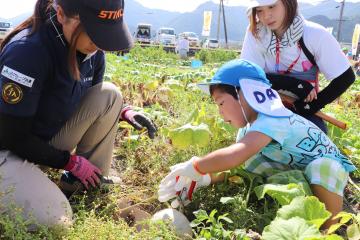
(308, 208)
(293, 228)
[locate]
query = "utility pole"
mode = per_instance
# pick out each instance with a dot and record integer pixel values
(225, 31)
(218, 24)
(222, 10)
(340, 20)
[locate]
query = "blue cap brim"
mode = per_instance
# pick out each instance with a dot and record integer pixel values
(205, 86)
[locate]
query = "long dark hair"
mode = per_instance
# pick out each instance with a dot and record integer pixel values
(291, 9)
(40, 17)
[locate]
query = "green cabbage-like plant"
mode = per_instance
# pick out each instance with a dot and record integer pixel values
(190, 135)
(283, 194)
(291, 176)
(308, 208)
(290, 229)
(284, 187)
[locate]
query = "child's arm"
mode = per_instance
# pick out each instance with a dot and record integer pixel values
(234, 155)
(218, 161)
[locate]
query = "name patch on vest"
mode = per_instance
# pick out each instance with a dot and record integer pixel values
(17, 76)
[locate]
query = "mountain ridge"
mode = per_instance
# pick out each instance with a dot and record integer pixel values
(325, 13)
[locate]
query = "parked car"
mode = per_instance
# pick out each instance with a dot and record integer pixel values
(193, 38)
(211, 43)
(143, 33)
(5, 28)
(166, 36)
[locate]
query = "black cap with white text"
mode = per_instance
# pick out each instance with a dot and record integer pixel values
(103, 21)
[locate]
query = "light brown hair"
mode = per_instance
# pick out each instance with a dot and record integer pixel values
(291, 9)
(40, 17)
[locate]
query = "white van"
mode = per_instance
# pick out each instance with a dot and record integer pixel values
(193, 38)
(143, 33)
(5, 29)
(211, 43)
(166, 36)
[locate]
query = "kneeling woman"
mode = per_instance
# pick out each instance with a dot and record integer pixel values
(55, 109)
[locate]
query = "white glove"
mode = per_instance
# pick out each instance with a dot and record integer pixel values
(181, 190)
(185, 169)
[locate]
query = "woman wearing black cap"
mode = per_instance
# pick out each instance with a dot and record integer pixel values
(55, 109)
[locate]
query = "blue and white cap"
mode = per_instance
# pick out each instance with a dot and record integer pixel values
(255, 86)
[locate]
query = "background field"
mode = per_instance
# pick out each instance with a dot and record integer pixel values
(165, 87)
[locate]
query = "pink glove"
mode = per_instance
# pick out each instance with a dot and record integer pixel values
(84, 170)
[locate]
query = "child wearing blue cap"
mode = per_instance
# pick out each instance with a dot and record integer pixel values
(271, 137)
(55, 108)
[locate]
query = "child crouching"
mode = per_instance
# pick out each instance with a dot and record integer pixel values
(271, 137)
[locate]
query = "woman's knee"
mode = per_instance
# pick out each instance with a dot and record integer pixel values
(109, 92)
(49, 209)
(60, 214)
(25, 187)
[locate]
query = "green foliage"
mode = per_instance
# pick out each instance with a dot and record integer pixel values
(218, 128)
(308, 208)
(152, 54)
(283, 194)
(291, 176)
(353, 230)
(165, 87)
(232, 196)
(91, 226)
(14, 226)
(347, 109)
(253, 179)
(301, 219)
(216, 56)
(327, 237)
(284, 187)
(211, 227)
(293, 228)
(189, 135)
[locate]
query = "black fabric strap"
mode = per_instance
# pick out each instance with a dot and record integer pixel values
(307, 53)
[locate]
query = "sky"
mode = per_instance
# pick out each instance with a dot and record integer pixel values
(12, 8)
(190, 5)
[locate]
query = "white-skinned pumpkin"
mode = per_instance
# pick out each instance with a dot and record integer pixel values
(177, 219)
